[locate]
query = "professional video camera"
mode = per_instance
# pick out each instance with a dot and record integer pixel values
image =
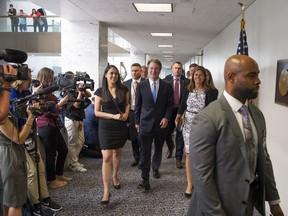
(21, 106)
(16, 57)
(48, 107)
(70, 82)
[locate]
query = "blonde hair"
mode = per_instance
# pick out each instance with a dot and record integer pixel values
(45, 75)
(16, 84)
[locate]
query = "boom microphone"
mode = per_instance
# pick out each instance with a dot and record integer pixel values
(47, 90)
(15, 56)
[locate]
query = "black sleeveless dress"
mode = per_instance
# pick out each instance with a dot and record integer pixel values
(112, 133)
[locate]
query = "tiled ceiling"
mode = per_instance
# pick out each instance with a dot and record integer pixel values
(193, 23)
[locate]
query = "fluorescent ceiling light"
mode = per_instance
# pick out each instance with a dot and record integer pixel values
(168, 56)
(161, 34)
(167, 52)
(150, 7)
(165, 46)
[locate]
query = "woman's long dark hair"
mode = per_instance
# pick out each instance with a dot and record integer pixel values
(120, 94)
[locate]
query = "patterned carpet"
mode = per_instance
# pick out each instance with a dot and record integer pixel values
(82, 195)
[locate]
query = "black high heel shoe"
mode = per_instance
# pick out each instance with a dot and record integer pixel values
(188, 195)
(105, 202)
(117, 187)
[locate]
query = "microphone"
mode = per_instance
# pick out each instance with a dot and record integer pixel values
(15, 56)
(47, 90)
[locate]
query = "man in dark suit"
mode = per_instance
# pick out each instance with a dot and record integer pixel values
(179, 83)
(231, 168)
(132, 86)
(153, 109)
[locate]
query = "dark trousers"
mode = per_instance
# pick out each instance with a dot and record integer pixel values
(136, 149)
(179, 137)
(55, 150)
(146, 148)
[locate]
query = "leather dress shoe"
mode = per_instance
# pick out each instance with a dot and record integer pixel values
(145, 184)
(135, 163)
(156, 174)
(179, 164)
(169, 152)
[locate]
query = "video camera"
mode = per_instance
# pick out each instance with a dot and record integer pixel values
(16, 57)
(48, 107)
(70, 82)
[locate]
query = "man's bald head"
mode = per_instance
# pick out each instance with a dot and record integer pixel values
(241, 77)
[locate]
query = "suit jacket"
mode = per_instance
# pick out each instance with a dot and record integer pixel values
(183, 83)
(210, 95)
(128, 84)
(149, 114)
(219, 164)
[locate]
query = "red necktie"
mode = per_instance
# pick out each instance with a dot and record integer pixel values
(176, 92)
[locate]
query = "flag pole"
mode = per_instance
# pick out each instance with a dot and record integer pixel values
(242, 24)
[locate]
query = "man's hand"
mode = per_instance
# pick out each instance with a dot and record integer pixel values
(164, 123)
(276, 210)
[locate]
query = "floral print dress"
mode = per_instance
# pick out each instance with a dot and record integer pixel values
(195, 103)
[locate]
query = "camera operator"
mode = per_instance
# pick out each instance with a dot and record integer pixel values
(13, 163)
(4, 108)
(19, 90)
(50, 135)
(74, 125)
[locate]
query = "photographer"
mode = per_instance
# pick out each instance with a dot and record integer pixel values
(50, 135)
(13, 163)
(19, 90)
(74, 124)
(4, 106)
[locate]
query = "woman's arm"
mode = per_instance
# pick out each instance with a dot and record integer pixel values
(11, 132)
(104, 115)
(127, 108)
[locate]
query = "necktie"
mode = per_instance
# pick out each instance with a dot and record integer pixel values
(133, 94)
(154, 91)
(176, 92)
(248, 137)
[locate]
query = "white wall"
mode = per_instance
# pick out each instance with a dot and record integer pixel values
(266, 28)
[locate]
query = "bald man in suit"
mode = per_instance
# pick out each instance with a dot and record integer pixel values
(231, 170)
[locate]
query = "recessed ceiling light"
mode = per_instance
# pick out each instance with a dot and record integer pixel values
(162, 34)
(150, 7)
(165, 46)
(167, 52)
(168, 56)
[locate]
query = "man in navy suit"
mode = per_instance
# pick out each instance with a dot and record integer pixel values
(153, 109)
(179, 83)
(132, 86)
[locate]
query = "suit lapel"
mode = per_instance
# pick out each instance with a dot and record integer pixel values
(234, 125)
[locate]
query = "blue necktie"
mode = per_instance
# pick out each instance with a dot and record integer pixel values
(154, 91)
(248, 136)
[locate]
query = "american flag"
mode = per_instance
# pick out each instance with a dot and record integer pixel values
(242, 46)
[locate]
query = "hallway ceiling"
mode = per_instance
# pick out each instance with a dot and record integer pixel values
(194, 23)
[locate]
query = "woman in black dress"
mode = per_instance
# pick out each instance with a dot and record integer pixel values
(112, 108)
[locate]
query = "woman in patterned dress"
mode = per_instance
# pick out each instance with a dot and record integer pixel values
(195, 98)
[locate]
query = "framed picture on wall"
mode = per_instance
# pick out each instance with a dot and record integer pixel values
(281, 91)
